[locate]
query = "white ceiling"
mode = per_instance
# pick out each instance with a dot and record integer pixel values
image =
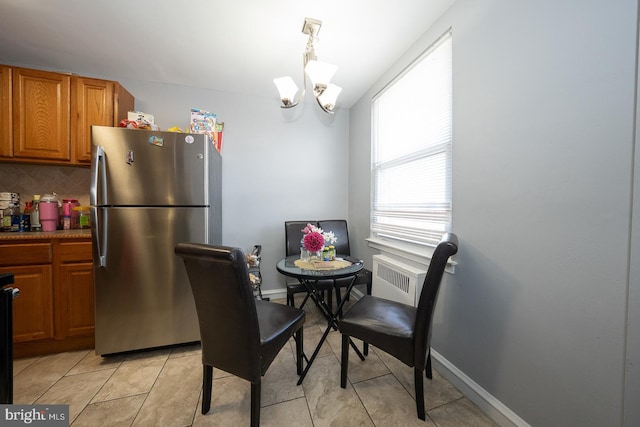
(236, 46)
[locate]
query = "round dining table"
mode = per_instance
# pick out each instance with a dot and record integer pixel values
(308, 273)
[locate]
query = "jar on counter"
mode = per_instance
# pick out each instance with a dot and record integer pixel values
(67, 213)
(80, 217)
(6, 217)
(67, 206)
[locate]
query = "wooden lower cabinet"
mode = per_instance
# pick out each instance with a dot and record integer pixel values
(74, 296)
(33, 309)
(54, 311)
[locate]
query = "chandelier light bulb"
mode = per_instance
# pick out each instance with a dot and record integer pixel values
(320, 74)
(327, 99)
(287, 89)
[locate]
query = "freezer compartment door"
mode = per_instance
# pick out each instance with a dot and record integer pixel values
(142, 294)
(139, 168)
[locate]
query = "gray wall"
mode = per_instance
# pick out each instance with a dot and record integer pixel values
(543, 146)
(544, 103)
(277, 164)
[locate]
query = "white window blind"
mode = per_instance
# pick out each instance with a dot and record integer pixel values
(411, 161)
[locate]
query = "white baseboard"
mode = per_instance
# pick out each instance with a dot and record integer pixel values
(280, 293)
(491, 406)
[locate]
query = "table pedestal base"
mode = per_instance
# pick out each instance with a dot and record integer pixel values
(331, 318)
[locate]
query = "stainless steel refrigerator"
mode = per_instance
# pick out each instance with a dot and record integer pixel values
(149, 191)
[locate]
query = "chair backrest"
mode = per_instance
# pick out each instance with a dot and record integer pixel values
(447, 247)
(339, 228)
(229, 329)
(293, 234)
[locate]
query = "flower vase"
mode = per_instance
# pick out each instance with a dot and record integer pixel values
(312, 241)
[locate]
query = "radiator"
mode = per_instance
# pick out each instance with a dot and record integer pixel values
(397, 281)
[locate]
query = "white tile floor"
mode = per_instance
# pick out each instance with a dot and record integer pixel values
(163, 388)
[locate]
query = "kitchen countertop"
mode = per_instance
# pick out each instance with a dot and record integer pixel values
(59, 234)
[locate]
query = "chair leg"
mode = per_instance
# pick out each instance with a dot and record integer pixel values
(290, 301)
(344, 363)
(338, 300)
(207, 378)
(255, 404)
(299, 350)
(428, 368)
(417, 378)
(365, 348)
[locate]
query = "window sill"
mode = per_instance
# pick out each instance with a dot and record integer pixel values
(420, 255)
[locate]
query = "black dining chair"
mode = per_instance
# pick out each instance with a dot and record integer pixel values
(239, 334)
(341, 231)
(400, 330)
(292, 236)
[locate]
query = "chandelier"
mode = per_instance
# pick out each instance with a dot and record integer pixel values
(320, 74)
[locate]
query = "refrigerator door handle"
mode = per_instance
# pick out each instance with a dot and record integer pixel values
(100, 225)
(99, 171)
(99, 235)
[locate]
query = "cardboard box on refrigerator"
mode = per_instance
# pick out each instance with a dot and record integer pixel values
(204, 122)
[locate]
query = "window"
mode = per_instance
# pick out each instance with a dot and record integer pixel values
(411, 161)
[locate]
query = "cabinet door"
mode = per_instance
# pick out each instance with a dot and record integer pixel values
(41, 115)
(5, 112)
(33, 308)
(123, 103)
(92, 105)
(74, 301)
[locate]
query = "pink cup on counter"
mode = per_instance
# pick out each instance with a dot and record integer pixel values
(67, 206)
(49, 212)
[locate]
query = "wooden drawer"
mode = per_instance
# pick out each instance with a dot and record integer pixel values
(25, 254)
(75, 251)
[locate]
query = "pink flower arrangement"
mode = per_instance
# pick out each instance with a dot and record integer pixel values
(315, 238)
(313, 241)
(309, 228)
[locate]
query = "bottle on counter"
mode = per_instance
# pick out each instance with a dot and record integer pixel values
(35, 213)
(6, 217)
(15, 217)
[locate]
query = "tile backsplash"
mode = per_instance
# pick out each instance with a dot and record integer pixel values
(68, 182)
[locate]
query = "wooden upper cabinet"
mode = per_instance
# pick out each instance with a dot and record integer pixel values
(46, 117)
(92, 105)
(95, 102)
(123, 103)
(5, 112)
(41, 115)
